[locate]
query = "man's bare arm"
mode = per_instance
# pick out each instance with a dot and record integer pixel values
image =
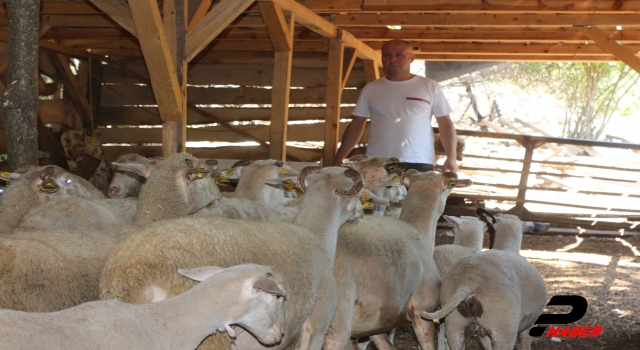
(449, 140)
(350, 138)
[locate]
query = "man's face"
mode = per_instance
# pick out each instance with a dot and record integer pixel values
(397, 58)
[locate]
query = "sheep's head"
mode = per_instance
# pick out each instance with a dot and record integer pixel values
(52, 182)
(379, 173)
(265, 180)
(338, 183)
(177, 186)
(125, 181)
(428, 191)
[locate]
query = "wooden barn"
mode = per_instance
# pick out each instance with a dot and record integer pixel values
(278, 79)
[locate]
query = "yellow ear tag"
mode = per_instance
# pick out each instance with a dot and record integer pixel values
(231, 171)
(453, 183)
(200, 175)
(6, 174)
(284, 170)
(345, 164)
(289, 186)
(394, 178)
(221, 180)
(364, 199)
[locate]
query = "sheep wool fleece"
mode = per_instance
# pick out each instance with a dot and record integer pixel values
(401, 117)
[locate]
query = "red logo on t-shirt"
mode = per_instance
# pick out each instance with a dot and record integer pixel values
(418, 99)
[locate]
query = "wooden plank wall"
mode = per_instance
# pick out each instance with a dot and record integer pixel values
(240, 86)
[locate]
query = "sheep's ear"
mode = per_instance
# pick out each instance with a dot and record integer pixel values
(200, 273)
(485, 216)
(267, 285)
(7, 176)
(455, 221)
(143, 170)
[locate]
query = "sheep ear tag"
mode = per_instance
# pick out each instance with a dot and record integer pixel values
(284, 171)
(364, 202)
(345, 164)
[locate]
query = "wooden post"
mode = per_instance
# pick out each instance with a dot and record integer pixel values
(174, 133)
(19, 110)
(280, 31)
(529, 145)
(334, 93)
(371, 71)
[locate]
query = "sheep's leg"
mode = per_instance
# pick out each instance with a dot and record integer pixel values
(339, 335)
(503, 337)
(427, 298)
(455, 330)
(315, 327)
(382, 342)
(525, 340)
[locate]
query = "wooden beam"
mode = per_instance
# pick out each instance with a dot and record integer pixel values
(511, 35)
(280, 32)
(334, 92)
(625, 53)
(212, 24)
(483, 20)
(350, 55)
(516, 58)
(200, 13)
(499, 6)
(155, 49)
(73, 87)
(119, 11)
(319, 25)
(371, 71)
(516, 49)
(280, 91)
(175, 24)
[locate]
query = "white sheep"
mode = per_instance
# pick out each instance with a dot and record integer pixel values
(498, 290)
(142, 268)
(36, 187)
(253, 175)
(125, 182)
(245, 295)
(469, 232)
(385, 269)
(378, 174)
(51, 270)
(177, 186)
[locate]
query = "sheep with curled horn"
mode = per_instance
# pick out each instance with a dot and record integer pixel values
(142, 268)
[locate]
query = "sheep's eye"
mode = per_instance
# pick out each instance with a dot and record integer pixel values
(68, 181)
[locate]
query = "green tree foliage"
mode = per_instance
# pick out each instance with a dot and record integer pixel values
(593, 92)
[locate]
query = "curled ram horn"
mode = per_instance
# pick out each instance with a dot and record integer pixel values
(395, 168)
(189, 162)
(211, 162)
(243, 162)
(279, 163)
(357, 184)
(303, 174)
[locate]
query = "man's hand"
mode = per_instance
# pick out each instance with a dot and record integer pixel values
(450, 165)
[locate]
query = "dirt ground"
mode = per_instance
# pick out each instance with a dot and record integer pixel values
(606, 271)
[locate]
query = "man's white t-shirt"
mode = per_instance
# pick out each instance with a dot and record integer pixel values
(400, 114)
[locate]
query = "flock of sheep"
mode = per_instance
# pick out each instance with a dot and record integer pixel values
(80, 271)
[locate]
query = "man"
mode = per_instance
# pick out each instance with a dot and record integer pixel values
(400, 106)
